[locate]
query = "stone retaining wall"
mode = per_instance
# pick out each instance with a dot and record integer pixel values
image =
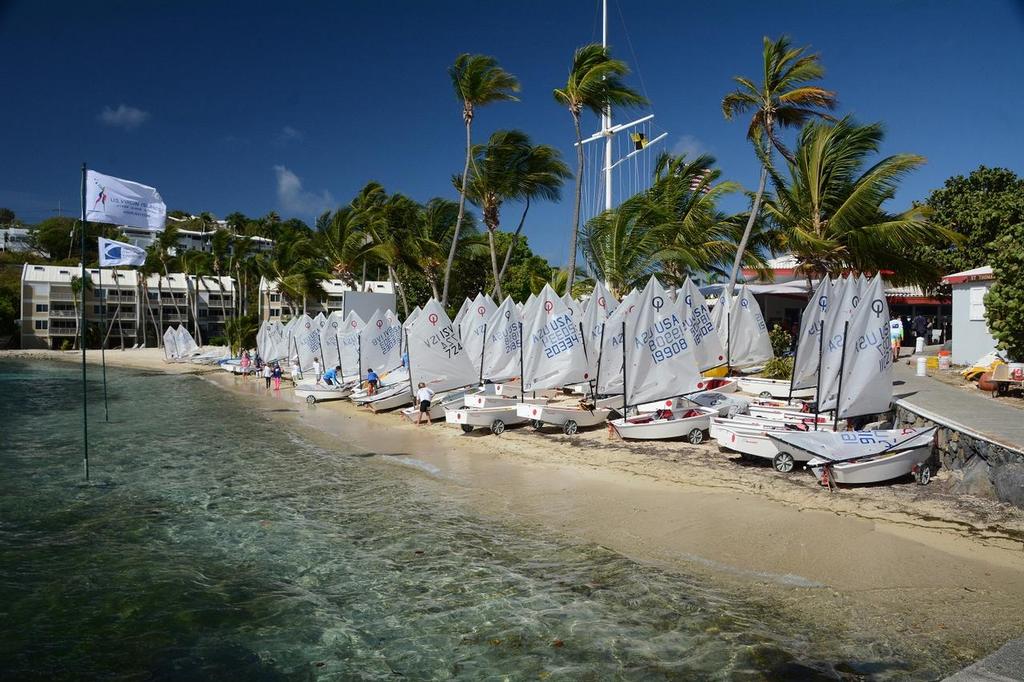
(980, 467)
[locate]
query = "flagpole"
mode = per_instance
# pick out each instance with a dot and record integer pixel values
(81, 332)
(103, 335)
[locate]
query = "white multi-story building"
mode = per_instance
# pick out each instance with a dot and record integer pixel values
(15, 239)
(49, 305)
(337, 296)
(189, 239)
(133, 310)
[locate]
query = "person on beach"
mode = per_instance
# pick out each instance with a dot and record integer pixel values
(268, 373)
(371, 381)
(423, 396)
(277, 376)
(316, 369)
(331, 376)
(296, 372)
(245, 365)
(896, 337)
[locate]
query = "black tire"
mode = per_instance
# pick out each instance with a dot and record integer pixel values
(924, 475)
(466, 428)
(783, 462)
(497, 427)
(536, 424)
(696, 437)
(765, 394)
(311, 399)
(570, 427)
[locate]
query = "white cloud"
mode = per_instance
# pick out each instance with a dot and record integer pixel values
(289, 134)
(125, 117)
(689, 145)
(292, 198)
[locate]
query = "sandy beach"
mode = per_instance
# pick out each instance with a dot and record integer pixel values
(902, 561)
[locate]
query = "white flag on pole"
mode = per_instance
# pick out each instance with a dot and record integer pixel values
(114, 253)
(123, 202)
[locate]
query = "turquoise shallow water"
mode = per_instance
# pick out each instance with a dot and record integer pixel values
(221, 545)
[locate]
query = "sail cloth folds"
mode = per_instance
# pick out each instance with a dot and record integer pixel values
(329, 339)
(305, 342)
(123, 202)
(553, 347)
(707, 346)
(473, 326)
(436, 357)
(380, 343)
(748, 334)
(503, 343)
(660, 361)
(348, 344)
(599, 306)
(610, 364)
(809, 345)
(171, 344)
(842, 305)
(867, 365)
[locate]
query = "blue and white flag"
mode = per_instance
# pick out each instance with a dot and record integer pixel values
(123, 202)
(113, 254)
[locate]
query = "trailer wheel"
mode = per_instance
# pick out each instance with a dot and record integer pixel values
(924, 475)
(696, 437)
(783, 462)
(311, 399)
(536, 424)
(497, 427)
(765, 394)
(570, 427)
(466, 428)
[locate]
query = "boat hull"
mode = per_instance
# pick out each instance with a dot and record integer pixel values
(772, 388)
(666, 429)
(484, 417)
(886, 468)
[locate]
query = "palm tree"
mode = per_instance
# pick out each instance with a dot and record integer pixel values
(165, 250)
(220, 255)
(241, 264)
(195, 264)
(478, 80)
(79, 287)
(595, 83)
(829, 211)
(344, 245)
(540, 176)
(783, 99)
(431, 236)
(293, 264)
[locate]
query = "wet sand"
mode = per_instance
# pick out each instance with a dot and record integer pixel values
(917, 564)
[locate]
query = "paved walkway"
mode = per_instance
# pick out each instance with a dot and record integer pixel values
(971, 411)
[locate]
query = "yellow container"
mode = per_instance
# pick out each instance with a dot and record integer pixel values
(717, 372)
(933, 362)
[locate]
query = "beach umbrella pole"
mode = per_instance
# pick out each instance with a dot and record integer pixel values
(81, 333)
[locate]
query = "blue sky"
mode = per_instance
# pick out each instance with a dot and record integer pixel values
(292, 107)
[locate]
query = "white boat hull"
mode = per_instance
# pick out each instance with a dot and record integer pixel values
(438, 406)
(772, 388)
(877, 470)
(569, 417)
(315, 394)
(470, 418)
(691, 427)
(713, 384)
(403, 397)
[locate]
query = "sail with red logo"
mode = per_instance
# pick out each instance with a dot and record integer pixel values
(707, 345)
(348, 344)
(380, 343)
(599, 306)
(659, 358)
(502, 345)
(553, 353)
(473, 327)
(305, 342)
(608, 371)
(436, 357)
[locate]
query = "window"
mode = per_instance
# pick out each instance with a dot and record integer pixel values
(275, 312)
(96, 309)
(42, 324)
(274, 298)
(977, 303)
(42, 307)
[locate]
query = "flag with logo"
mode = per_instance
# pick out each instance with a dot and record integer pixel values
(114, 253)
(123, 202)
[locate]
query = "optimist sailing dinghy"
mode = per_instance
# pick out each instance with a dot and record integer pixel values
(667, 424)
(858, 457)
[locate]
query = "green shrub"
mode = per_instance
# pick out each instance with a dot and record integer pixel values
(778, 368)
(781, 340)
(1004, 303)
(219, 341)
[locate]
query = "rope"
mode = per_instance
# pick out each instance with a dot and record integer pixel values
(632, 52)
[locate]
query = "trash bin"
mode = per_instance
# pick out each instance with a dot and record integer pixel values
(919, 345)
(922, 367)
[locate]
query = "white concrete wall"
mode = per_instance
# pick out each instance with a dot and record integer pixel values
(971, 338)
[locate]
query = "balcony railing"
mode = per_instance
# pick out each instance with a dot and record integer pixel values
(63, 313)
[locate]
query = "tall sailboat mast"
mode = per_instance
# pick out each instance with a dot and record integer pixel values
(606, 119)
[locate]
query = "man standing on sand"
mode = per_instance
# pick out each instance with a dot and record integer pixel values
(316, 369)
(423, 396)
(268, 372)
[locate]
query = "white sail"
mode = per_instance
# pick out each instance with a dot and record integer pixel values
(412, 318)
(329, 339)
(186, 344)
(553, 347)
(262, 340)
(842, 306)
(473, 327)
(608, 373)
(275, 344)
(600, 305)
(809, 345)
(436, 357)
(305, 342)
(572, 305)
(707, 345)
(748, 334)
(380, 343)
(867, 365)
(503, 343)
(660, 360)
(720, 318)
(462, 313)
(171, 344)
(348, 344)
